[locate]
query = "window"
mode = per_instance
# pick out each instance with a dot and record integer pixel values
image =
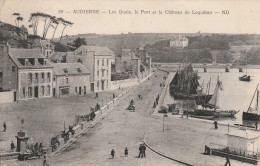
(98, 84)
(42, 90)
(97, 62)
(107, 72)
(103, 73)
(29, 79)
(13, 68)
(97, 73)
(48, 90)
(49, 77)
(30, 92)
(76, 89)
(107, 63)
(42, 78)
(67, 80)
(54, 79)
(103, 63)
(23, 78)
(36, 78)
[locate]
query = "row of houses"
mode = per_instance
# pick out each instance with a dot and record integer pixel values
(41, 72)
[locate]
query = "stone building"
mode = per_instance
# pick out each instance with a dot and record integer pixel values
(98, 61)
(70, 79)
(180, 42)
(128, 63)
(27, 71)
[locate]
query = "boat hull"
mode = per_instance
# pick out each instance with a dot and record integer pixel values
(245, 79)
(216, 114)
(251, 116)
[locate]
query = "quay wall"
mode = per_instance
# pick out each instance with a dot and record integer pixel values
(6, 97)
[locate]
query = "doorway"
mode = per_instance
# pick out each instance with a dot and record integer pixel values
(79, 90)
(103, 85)
(54, 91)
(92, 87)
(36, 89)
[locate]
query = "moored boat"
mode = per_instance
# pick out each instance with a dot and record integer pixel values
(252, 114)
(212, 106)
(185, 85)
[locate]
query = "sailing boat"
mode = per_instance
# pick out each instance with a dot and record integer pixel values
(214, 106)
(252, 114)
(185, 84)
(245, 77)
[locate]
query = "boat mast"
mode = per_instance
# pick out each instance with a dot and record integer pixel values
(246, 65)
(217, 88)
(253, 98)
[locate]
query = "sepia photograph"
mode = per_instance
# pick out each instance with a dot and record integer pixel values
(129, 83)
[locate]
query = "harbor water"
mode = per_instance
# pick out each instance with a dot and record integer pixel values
(236, 95)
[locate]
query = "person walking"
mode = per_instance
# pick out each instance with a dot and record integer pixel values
(126, 152)
(45, 159)
(227, 160)
(144, 148)
(12, 146)
(216, 124)
(4, 125)
(113, 153)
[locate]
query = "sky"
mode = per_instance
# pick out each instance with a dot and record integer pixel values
(243, 17)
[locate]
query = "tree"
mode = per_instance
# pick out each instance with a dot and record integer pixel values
(56, 22)
(16, 15)
(19, 19)
(79, 42)
(65, 24)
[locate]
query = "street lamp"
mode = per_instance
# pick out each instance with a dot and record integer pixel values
(22, 121)
(164, 116)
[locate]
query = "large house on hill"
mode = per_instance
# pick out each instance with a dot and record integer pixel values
(180, 42)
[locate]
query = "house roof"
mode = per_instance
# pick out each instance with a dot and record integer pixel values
(97, 49)
(248, 134)
(16, 53)
(179, 38)
(72, 69)
(58, 56)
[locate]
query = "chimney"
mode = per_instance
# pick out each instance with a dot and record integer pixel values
(4, 48)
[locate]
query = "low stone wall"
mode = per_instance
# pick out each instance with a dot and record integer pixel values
(123, 83)
(7, 97)
(83, 126)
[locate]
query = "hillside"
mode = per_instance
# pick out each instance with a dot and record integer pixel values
(119, 41)
(20, 38)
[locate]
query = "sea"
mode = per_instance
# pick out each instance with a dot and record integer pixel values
(235, 95)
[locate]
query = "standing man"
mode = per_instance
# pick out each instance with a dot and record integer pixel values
(12, 146)
(140, 151)
(96, 96)
(126, 152)
(4, 125)
(113, 153)
(228, 160)
(144, 148)
(256, 125)
(216, 124)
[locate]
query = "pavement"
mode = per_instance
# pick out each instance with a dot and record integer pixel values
(183, 139)
(45, 118)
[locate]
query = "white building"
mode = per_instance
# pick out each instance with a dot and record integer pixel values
(243, 141)
(180, 41)
(98, 61)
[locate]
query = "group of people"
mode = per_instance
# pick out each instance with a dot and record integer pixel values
(142, 149)
(36, 149)
(113, 153)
